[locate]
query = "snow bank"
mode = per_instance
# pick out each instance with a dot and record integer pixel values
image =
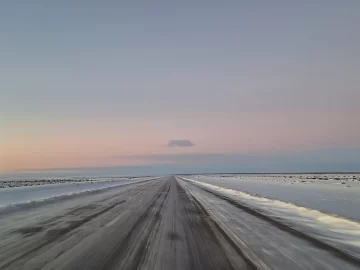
(335, 231)
(24, 197)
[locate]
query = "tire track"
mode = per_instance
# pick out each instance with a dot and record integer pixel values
(52, 236)
(133, 255)
(215, 227)
(201, 224)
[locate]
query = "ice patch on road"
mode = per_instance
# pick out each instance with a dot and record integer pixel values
(335, 231)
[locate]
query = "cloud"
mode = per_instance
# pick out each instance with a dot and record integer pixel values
(180, 143)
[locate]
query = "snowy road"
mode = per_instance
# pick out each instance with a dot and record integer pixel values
(165, 223)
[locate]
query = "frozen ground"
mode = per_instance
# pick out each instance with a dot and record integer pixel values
(165, 223)
(336, 194)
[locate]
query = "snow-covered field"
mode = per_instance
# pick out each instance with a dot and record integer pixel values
(30, 194)
(335, 194)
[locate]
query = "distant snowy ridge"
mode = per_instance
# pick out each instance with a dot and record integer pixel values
(336, 232)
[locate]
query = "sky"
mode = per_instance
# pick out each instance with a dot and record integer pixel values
(179, 86)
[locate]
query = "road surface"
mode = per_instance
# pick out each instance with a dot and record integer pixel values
(164, 223)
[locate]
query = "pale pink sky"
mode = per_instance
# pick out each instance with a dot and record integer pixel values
(81, 143)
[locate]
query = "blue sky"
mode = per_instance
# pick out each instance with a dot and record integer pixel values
(82, 83)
